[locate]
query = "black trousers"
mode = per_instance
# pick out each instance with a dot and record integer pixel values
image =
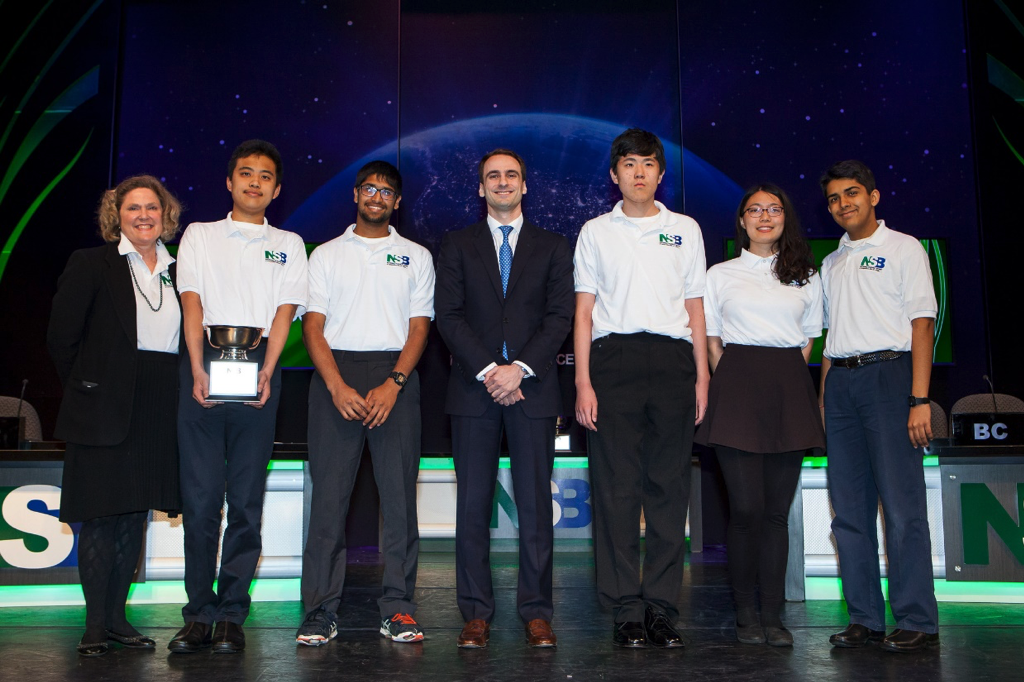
(225, 448)
(640, 459)
(335, 449)
(475, 445)
(761, 488)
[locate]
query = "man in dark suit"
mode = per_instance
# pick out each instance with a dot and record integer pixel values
(504, 304)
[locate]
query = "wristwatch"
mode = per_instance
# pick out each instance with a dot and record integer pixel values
(914, 402)
(399, 379)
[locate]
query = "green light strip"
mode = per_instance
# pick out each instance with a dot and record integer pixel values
(448, 464)
(284, 465)
(21, 38)
(46, 67)
(822, 462)
(82, 90)
(1007, 140)
(5, 255)
(945, 590)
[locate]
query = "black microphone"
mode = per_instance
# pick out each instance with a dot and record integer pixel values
(992, 388)
(24, 384)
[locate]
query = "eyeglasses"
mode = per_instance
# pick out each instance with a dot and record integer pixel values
(370, 191)
(756, 211)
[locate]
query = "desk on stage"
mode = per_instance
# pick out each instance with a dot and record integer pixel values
(37, 549)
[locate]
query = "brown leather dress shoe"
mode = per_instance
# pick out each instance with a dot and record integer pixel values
(904, 641)
(539, 634)
(191, 638)
(474, 634)
(228, 638)
(856, 635)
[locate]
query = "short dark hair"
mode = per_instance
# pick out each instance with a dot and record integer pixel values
(384, 170)
(637, 141)
(794, 262)
(500, 151)
(852, 169)
(256, 148)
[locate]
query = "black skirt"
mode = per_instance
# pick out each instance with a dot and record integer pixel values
(141, 472)
(762, 400)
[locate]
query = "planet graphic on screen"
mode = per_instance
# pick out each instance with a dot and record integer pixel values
(567, 179)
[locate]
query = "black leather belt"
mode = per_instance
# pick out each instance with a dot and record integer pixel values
(867, 359)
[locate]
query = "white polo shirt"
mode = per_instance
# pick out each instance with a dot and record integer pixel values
(368, 289)
(155, 330)
(242, 272)
(745, 303)
(873, 288)
(642, 270)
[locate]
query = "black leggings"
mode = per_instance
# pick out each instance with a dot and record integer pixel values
(761, 488)
(108, 554)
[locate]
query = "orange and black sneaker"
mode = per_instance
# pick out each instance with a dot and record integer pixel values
(401, 627)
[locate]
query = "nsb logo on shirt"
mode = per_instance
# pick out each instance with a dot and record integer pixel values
(673, 240)
(397, 261)
(279, 257)
(875, 263)
(165, 280)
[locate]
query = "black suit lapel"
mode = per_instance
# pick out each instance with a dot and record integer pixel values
(485, 247)
(119, 283)
(524, 253)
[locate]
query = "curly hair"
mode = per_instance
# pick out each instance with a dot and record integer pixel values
(109, 212)
(794, 263)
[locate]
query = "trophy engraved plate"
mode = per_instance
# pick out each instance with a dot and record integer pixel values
(234, 377)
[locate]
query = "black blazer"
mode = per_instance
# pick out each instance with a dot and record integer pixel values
(93, 340)
(474, 319)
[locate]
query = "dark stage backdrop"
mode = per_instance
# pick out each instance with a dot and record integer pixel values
(738, 94)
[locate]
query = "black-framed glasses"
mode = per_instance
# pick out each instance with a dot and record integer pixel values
(757, 211)
(370, 191)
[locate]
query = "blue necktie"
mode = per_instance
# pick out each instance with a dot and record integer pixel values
(505, 266)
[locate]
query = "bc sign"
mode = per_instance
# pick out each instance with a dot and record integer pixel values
(31, 536)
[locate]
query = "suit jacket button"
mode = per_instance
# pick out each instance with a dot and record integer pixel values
(505, 320)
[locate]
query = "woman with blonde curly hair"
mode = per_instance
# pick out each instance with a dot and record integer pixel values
(114, 336)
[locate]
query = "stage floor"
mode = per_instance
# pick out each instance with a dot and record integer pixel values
(979, 641)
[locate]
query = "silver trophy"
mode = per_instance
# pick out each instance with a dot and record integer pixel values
(234, 377)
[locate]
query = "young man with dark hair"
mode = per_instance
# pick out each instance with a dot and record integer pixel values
(371, 299)
(239, 271)
(641, 357)
(504, 306)
(880, 312)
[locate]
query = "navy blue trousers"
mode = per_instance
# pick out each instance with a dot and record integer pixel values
(225, 448)
(870, 457)
(475, 445)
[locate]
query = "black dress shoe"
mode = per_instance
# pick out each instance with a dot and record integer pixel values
(132, 641)
(777, 635)
(630, 635)
(856, 635)
(904, 641)
(228, 638)
(191, 638)
(660, 632)
(91, 650)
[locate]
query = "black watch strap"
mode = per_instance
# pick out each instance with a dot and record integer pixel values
(915, 401)
(399, 379)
